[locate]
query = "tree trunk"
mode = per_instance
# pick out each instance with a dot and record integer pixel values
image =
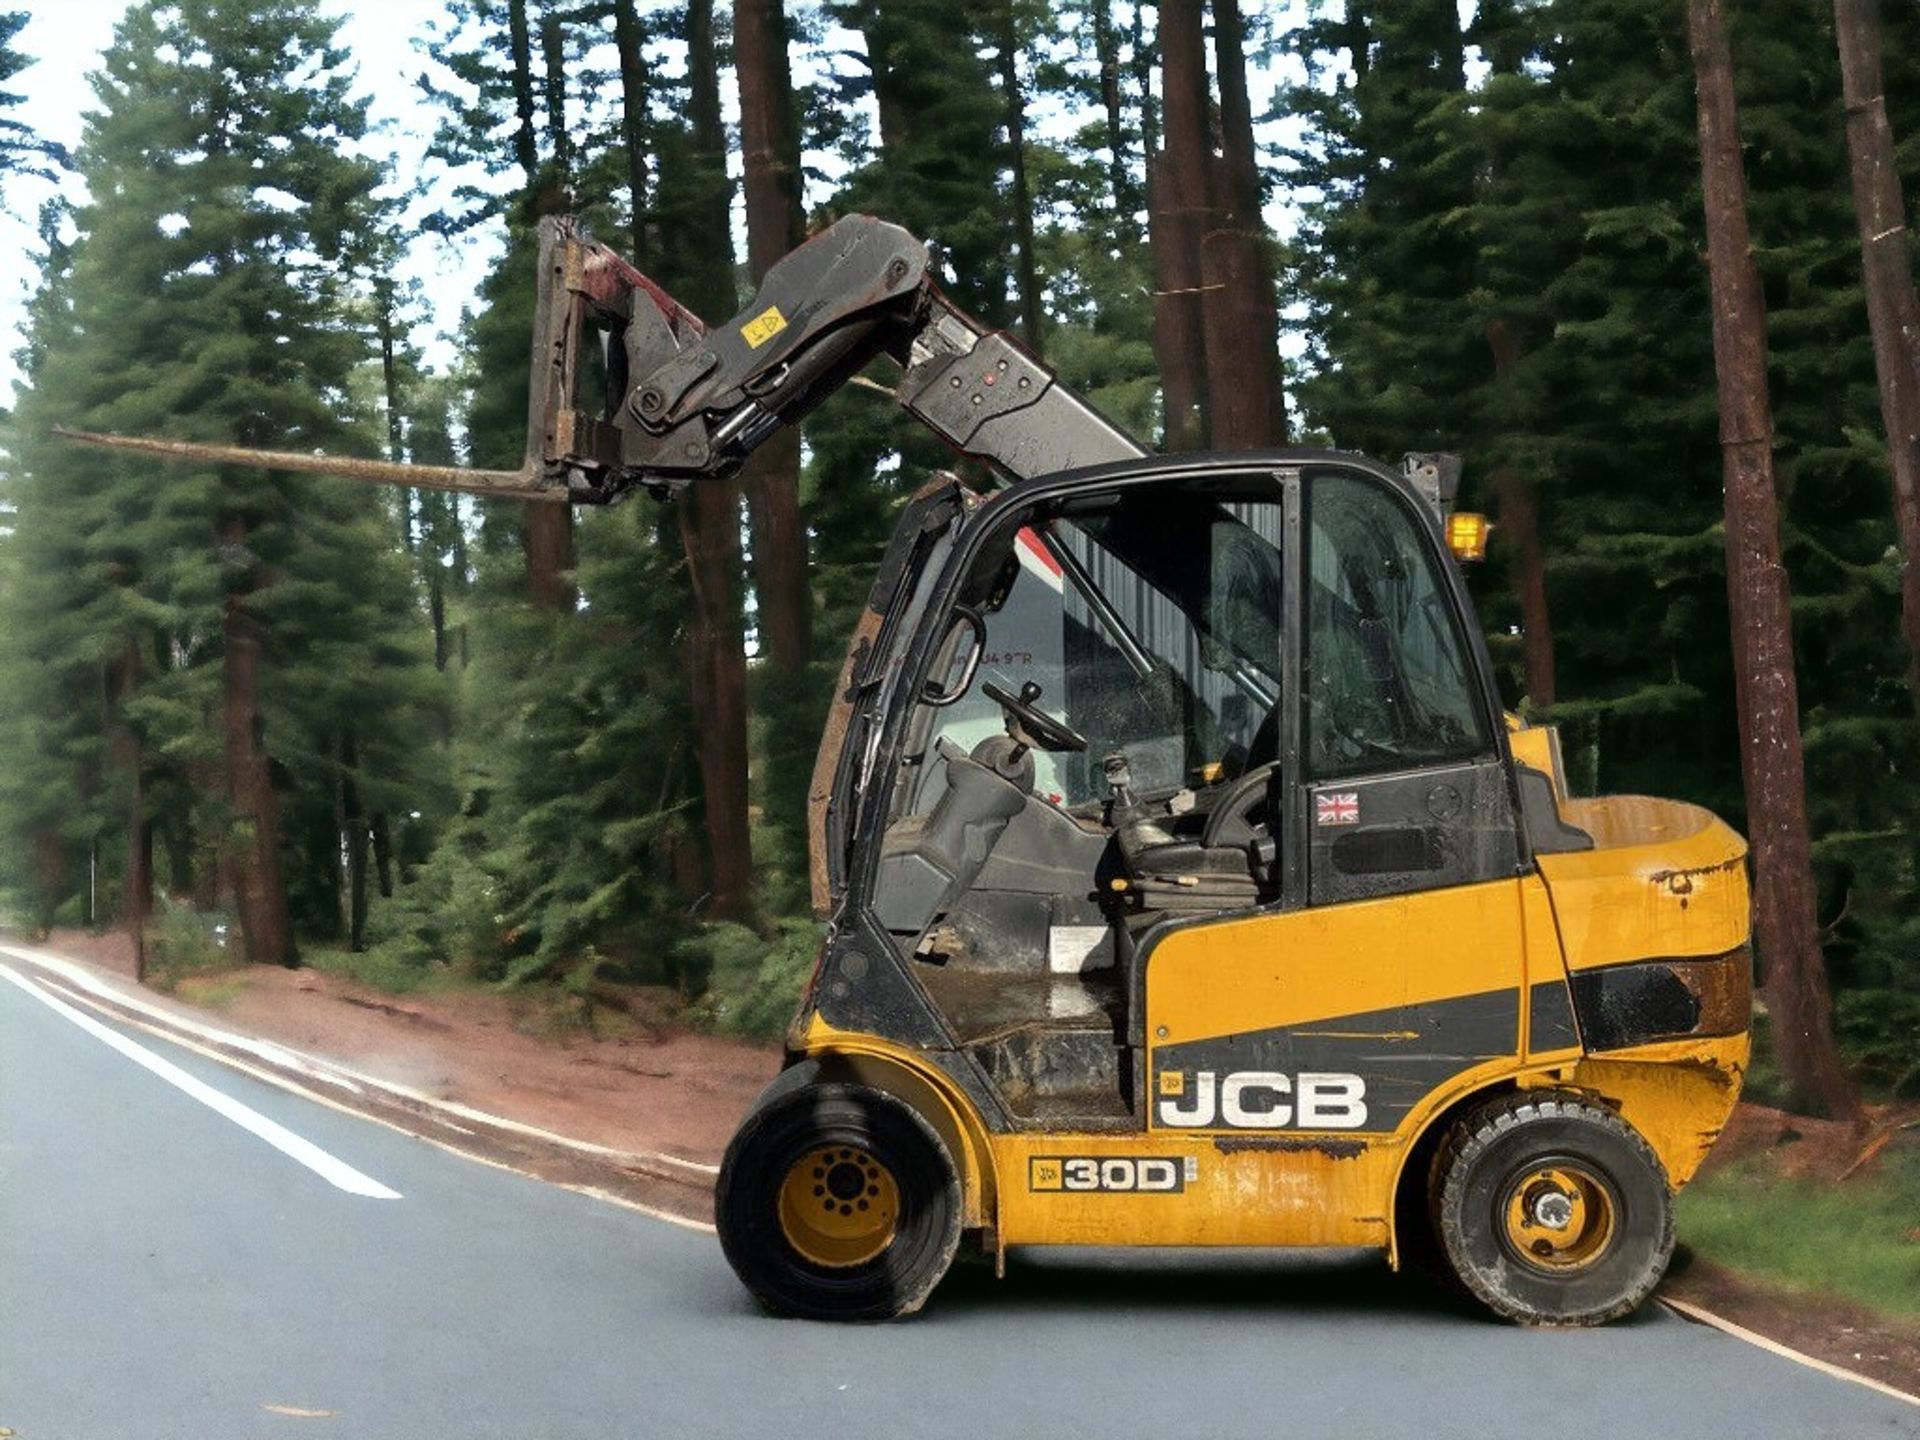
(48, 857)
(1246, 408)
(1014, 106)
(137, 902)
(390, 377)
(213, 887)
(1177, 216)
(781, 582)
(710, 517)
(775, 224)
(350, 827)
(1893, 310)
(1127, 197)
(895, 118)
(437, 612)
(630, 41)
(546, 543)
(716, 667)
(260, 891)
(553, 57)
(178, 835)
(383, 854)
(546, 531)
(139, 896)
(769, 152)
(1143, 62)
(1518, 514)
(1766, 690)
(520, 48)
(713, 290)
(1519, 518)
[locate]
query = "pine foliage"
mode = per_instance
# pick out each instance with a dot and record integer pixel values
(1499, 254)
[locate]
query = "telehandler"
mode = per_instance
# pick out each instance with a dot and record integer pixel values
(1185, 883)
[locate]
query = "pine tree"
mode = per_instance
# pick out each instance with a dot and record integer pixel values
(1177, 209)
(696, 265)
(1840, 534)
(206, 299)
(1246, 405)
(1893, 310)
(22, 152)
(927, 169)
(1796, 985)
(1091, 194)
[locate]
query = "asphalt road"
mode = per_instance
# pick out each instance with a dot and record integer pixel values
(166, 1272)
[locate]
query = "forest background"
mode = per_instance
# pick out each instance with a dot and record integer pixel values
(254, 715)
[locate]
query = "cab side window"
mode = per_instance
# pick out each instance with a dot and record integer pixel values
(1385, 680)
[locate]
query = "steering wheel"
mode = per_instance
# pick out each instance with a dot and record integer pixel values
(1231, 823)
(1034, 727)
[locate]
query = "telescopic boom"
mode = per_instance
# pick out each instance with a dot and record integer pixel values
(630, 389)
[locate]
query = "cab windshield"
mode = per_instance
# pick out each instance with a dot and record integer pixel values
(1150, 618)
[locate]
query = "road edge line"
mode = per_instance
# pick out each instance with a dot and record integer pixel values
(332, 1072)
(1700, 1315)
(296, 1147)
(292, 1086)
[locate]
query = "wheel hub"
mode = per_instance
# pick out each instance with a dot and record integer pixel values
(838, 1206)
(1559, 1216)
(1553, 1210)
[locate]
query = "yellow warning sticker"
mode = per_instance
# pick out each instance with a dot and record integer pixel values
(1173, 1082)
(1043, 1174)
(763, 327)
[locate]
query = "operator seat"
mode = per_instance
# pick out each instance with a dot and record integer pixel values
(1150, 846)
(928, 862)
(1182, 853)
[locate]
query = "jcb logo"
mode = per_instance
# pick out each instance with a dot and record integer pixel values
(1152, 1175)
(1262, 1100)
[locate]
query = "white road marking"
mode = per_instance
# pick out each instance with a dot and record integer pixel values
(295, 1087)
(1700, 1315)
(334, 1171)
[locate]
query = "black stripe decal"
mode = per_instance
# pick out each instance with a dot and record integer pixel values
(1550, 1017)
(1621, 1006)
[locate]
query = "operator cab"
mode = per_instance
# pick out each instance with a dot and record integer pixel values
(1119, 722)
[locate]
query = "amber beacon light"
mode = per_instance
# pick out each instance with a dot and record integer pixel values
(1467, 535)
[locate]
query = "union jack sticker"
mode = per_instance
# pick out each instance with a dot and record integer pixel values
(1340, 807)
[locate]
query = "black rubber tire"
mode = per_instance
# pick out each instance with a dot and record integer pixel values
(927, 1232)
(1489, 1147)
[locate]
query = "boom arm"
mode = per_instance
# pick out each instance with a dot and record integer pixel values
(697, 403)
(630, 389)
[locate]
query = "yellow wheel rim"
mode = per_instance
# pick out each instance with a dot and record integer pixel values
(839, 1206)
(1558, 1216)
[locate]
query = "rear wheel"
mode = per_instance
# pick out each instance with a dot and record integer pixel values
(836, 1202)
(1552, 1211)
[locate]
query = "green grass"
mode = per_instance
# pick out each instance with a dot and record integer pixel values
(388, 968)
(1859, 1239)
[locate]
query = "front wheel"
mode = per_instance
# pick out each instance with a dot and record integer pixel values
(836, 1202)
(1553, 1211)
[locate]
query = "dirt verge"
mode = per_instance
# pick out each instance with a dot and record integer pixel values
(639, 1085)
(1822, 1326)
